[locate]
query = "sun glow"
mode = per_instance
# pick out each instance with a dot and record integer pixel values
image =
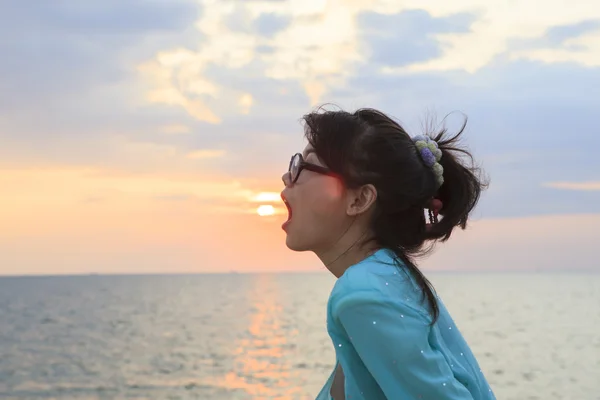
(266, 197)
(265, 210)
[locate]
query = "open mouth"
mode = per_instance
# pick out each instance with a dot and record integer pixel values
(289, 208)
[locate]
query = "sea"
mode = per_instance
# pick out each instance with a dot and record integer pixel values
(263, 336)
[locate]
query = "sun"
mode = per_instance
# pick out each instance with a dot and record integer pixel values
(265, 210)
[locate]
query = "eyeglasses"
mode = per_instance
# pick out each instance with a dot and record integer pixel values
(297, 164)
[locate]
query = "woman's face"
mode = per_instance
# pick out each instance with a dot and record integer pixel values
(316, 208)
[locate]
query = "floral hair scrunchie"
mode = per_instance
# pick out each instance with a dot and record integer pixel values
(431, 155)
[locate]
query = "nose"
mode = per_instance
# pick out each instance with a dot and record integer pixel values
(286, 179)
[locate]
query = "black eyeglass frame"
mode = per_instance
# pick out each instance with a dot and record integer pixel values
(302, 165)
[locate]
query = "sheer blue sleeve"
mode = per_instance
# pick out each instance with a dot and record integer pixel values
(391, 338)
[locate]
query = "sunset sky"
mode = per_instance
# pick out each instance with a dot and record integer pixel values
(142, 136)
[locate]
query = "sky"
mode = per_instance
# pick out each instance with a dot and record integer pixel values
(142, 136)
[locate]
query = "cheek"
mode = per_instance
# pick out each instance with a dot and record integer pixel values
(318, 214)
(327, 199)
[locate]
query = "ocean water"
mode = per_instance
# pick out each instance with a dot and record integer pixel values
(227, 337)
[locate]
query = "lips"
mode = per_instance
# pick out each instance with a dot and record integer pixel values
(289, 208)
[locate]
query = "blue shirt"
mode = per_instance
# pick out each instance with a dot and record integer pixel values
(381, 329)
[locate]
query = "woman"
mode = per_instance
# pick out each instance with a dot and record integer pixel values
(356, 198)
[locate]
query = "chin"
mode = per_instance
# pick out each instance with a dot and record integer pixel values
(295, 245)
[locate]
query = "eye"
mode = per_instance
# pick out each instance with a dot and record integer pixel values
(312, 158)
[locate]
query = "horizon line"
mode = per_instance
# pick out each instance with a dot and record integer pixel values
(293, 272)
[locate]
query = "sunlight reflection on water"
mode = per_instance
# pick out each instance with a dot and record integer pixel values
(253, 337)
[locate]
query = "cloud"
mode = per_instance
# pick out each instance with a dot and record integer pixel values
(527, 122)
(287, 44)
(305, 61)
(303, 49)
(245, 101)
(584, 186)
(271, 24)
(102, 105)
(106, 17)
(58, 48)
(558, 35)
(69, 89)
(267, 24)
(495, 30)
(204, 154)
(174, 129)
(215, 83)
(566, 43)
(407, 37)
(522, 118)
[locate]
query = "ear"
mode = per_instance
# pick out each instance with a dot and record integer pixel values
(360, 200)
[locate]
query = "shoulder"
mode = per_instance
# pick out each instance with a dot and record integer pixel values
(366, 276)
(377, 282)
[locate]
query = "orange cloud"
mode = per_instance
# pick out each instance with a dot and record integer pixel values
(164, 89)
(585, 186)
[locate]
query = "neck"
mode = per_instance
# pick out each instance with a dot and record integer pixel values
(350, 249)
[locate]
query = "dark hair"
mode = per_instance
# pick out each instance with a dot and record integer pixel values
(368, 147)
